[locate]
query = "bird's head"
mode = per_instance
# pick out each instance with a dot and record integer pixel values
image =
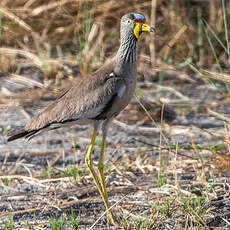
(134, 24)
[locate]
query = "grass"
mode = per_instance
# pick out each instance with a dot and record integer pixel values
(226, 28)
(124, 222)
(170, 208)
(48, 173)
(217, 60)
(107, 169)
(72, 22)
(7, 182)
(161, 179)
(57, 222)
(71, 170)
(75, 144)
(98, 141)
(139, 223)
(160, 203)
(191, 207)
(9, 225)
(74, 220)
(220, 41)
(60, 222)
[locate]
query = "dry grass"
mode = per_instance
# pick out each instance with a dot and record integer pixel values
(84, 33)
(173, 191)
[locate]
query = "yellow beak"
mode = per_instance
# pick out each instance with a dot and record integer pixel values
(142, 27)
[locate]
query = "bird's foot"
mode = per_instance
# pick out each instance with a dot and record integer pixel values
(112, 220)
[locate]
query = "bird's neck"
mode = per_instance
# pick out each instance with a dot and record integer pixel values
(128, 50)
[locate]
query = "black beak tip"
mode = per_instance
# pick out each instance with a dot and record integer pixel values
(152, 29)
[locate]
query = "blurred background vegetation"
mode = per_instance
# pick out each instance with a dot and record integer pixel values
(76, 36)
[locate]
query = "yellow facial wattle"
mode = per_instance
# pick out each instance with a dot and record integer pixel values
(141, 27)
(137, 29)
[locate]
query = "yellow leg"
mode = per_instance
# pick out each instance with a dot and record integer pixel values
(102, 178)
(101, 169)
(101, 187)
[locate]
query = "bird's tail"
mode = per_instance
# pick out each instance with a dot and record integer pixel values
(29, 134)
(13, 135)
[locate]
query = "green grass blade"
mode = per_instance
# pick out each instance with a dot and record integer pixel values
(216, 59)
(215, 35)
(194, 67)
(226, 28)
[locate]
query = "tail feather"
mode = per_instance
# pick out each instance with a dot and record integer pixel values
(20, 133)
(29, 134)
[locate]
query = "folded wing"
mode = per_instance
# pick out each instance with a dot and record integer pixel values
(86, 100)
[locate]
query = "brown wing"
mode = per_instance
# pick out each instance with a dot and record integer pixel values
(85, 100)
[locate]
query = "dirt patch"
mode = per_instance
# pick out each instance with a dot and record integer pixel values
(162, 175)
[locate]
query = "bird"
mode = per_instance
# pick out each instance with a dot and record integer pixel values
(95, 99)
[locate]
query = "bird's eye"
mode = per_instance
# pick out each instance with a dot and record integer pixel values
(129, 21)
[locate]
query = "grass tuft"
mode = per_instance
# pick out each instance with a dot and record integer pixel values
(57, 222)
(74, 220)
(8, 225)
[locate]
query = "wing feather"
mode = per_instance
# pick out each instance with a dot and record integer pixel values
(86, 100)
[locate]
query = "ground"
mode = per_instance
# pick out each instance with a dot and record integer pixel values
(166, 161)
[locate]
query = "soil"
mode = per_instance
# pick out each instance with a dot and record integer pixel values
(34, 184)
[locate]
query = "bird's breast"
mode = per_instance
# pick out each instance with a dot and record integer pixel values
(125, 93)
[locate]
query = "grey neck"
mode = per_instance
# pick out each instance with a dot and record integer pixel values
(128, 50)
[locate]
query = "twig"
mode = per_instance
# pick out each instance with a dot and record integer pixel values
(163, 148)
(94, 224)
(19, 21)
(226, 221)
